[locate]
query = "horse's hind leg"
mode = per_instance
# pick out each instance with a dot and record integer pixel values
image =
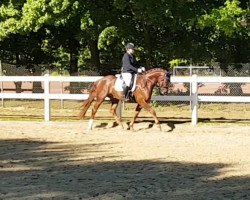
(114, 105)
(94, 110)
(137, 111)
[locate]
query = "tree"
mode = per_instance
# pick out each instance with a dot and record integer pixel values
(75, 33)
(231, 19)
(228, 25)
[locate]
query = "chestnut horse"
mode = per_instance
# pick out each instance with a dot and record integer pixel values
(145, 83)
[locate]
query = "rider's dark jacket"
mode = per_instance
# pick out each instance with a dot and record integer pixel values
(129, 64)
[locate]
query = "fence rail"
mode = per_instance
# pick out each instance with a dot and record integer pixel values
(194, 98)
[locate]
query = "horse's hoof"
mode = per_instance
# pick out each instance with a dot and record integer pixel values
(89, 130)
(131, 128)
(90, 124)
(121, 127)
(157, 127)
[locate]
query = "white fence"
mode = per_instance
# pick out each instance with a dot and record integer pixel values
(194, 98)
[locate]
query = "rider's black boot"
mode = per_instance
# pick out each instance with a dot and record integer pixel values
(126, 94)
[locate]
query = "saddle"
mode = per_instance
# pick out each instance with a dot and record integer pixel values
(121, 86)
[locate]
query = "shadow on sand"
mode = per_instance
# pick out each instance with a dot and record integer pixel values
(41, 170)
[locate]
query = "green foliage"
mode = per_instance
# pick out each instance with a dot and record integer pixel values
(70, 33)
(9, 20)
(107, 37)
(177, 62)
(84, 59)
(227, 19)
(156, 92)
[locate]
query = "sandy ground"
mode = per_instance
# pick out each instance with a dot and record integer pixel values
(62, 160)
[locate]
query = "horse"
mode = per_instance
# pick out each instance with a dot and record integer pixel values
(145, 83)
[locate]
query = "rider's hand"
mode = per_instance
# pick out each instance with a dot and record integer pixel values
(139, 70)
(143, 69)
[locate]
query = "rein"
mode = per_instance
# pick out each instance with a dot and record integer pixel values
(144, 81)
(147, 79)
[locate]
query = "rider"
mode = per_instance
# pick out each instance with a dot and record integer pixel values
(129, 67)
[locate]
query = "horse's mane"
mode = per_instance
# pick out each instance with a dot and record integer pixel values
(155, 69)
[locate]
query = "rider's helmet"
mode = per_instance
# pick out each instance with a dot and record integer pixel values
(130, 46)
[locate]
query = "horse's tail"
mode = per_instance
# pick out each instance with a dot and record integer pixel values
(87, 102)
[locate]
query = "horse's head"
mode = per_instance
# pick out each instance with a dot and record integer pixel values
(160, 78)
(163, 82)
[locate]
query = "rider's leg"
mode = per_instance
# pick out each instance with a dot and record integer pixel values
(126, 92)
(127, 79)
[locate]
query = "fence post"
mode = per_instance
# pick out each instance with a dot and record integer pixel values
(1, 83)
(46, 98)
(194, 98)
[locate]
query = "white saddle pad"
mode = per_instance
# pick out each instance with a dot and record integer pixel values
(120, 82)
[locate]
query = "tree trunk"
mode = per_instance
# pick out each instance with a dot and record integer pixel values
(37, 86)
(73, 64)
(74, 50)
(95, 54)
(19, 83)
(148, 44)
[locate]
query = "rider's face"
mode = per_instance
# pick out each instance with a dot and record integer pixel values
(131, 51)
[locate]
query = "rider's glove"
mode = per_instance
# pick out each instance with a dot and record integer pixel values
(143, 69)
(139, 70)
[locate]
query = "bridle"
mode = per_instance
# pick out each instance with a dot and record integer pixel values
(167, 77)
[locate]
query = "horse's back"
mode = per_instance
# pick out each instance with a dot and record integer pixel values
(106, 81)
(109, 78)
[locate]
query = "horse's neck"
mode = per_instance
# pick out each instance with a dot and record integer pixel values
(151, 78)
(148, 82)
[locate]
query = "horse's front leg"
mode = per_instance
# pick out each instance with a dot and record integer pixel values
(137, 111)
(149, 108)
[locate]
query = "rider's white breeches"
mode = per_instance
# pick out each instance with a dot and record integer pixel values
(127, 78)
